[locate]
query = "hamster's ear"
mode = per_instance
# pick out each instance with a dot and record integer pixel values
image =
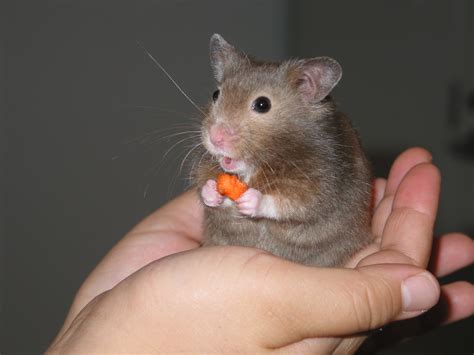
(224, 56)
(317, 77)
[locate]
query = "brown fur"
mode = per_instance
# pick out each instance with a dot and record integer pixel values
(305, 154)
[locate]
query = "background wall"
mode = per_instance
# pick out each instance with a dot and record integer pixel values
(408, 70)
(3, 185)
(80, 88)
(82, 99)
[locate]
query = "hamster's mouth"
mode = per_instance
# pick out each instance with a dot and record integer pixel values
(231, 165)
(227, 163)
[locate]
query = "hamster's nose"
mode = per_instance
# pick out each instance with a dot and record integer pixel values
(221, 136)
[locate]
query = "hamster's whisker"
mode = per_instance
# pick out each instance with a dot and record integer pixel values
(202, 156)
(181, 133)
(269, 167)
(158, 164)
(303, 174)
(174, 145)
(167, 137)
(265, 176)
(151, 142)
(145, 190)
(159, 131)
(191, 171)
(171, 79)
(187, 155)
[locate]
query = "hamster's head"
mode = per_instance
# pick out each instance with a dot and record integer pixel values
(262, 112)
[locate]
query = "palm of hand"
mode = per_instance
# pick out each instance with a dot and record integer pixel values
(177, 227)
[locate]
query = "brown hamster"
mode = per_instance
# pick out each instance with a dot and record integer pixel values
(275, 126)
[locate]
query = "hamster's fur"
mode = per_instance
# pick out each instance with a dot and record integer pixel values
(302, 160)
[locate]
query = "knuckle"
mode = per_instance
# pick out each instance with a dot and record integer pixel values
(373, 304)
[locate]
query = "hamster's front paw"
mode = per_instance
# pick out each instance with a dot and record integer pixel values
(249, 203)
(209, 194)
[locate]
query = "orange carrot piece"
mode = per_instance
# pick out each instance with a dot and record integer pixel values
(230, 186)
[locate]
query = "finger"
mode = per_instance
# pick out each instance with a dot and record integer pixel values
(302, 302)
(409, 229)
(379, 190)
(458, 301)
(381, 213)
(451, 252)
(408, 232)
(404, 162)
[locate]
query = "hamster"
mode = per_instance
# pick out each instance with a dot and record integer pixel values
(275, 126)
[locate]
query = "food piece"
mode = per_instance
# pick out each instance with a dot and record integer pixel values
(230, 186)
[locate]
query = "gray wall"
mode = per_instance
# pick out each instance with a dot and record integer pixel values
(3, 185)
(77, 83)
(401, 61)
(79, 88)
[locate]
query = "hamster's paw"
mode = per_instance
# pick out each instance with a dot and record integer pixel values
(249, 203)
(209, 194)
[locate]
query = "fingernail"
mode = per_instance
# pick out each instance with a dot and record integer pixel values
(420, 292)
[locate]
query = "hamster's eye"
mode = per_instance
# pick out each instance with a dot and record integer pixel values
(261, 104)
(215, 95)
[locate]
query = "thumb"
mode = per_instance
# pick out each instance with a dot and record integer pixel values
(314, 302)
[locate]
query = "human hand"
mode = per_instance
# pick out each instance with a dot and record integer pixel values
(236, 298)
(448, 254)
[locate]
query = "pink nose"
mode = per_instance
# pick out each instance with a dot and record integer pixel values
(221, 136)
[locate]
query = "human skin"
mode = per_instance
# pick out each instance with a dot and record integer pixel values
(158, 291)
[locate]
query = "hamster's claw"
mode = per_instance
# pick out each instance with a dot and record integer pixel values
(249, 203)
(209, 194)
